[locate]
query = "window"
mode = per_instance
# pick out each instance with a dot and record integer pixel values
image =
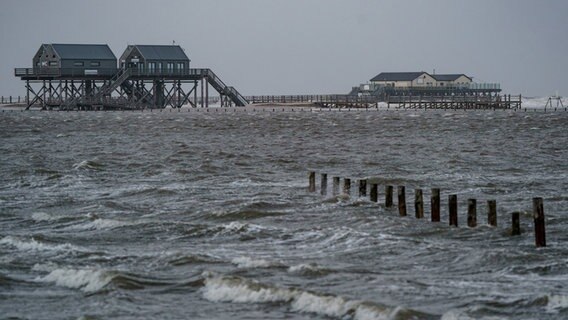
(180, 66)
(53, 63)
(78, 64)
(170, 67)
(95, 64)
(151, 67)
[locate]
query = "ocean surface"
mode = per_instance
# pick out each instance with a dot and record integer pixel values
(206, 215)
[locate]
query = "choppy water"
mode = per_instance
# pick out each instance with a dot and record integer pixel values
(207, 216)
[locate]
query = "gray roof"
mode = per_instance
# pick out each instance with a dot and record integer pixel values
(397, 76)
(84, 51)
(156, 52)
(448, 77)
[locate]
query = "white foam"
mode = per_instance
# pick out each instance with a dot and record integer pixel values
(556, 303)
(42, 216)
(247, 262)
(238, 290)
(88, 280)
(103, 224)
(33, 245)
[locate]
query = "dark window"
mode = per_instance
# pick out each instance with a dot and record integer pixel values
(78, 63)
(95, 64)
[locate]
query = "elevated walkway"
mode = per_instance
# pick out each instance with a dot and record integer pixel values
(129, 84)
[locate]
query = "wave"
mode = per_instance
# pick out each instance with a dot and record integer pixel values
(92, 280)
(34, 245)
(557, 303)
(309, 269)
(88, 280)
(240, 290)
(88, 165)
(247, 262)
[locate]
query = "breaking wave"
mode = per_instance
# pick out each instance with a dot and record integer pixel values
(240, 290)
(88, 280)
(34, 245)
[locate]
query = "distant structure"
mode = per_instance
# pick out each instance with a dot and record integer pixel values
(88, 76)
(387, 84)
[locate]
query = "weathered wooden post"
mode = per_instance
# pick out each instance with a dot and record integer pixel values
(363, 188)
(453, 206)
(374, 192)
(539, 230)
(323, 185)
(492, 212)
(312, 181)
(515, 223)
(347, 186)
(435, 205)
(335, 186)
(388, 196)
(418, 204)
(471, 213)
(401, 201)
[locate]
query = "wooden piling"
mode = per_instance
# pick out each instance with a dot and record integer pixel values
(453, 209)
(492, 212)
(323, 185)
(401, 201)
(418, 204)
(374, 196)
(515, 224)
(362, 188)
(471, 213)
(335, 186)
(347, 186)
(435, 205)
(388, 196)
(539, 229)
(312, 181)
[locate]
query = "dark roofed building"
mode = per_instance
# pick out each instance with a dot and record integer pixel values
(75, 59)
(155, 59)
(404, 79)
(449, 77)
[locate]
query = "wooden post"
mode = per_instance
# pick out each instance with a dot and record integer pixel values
(347, 186)
(401, 201)
(515, 224)
(471, 213)
(312, 181)
(418, 204)
(323, 185)
(453, 206)
(492, 213)
(435, 205)
(335, 186)
(539, 230)
(374, 192)
(388, 196)
(362, 188)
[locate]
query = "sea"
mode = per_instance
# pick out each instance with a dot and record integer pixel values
(206, 214)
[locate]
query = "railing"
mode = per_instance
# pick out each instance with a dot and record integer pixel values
(328, 98)
(60, 72)
(14, 99)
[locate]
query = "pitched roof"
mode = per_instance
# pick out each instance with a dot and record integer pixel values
(161, 52)
(448, 77)
(84, 51)
(397, 76)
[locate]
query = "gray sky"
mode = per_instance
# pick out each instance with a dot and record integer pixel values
(310, 46)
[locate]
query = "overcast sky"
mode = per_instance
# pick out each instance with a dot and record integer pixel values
(310, 46)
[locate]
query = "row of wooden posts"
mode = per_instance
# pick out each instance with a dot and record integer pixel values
(538, 208)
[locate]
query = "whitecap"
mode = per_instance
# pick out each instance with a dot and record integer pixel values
(239, 290)
(33, 245)
(42, 216)
(247, 262)
(88, 280)
(556, 303)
